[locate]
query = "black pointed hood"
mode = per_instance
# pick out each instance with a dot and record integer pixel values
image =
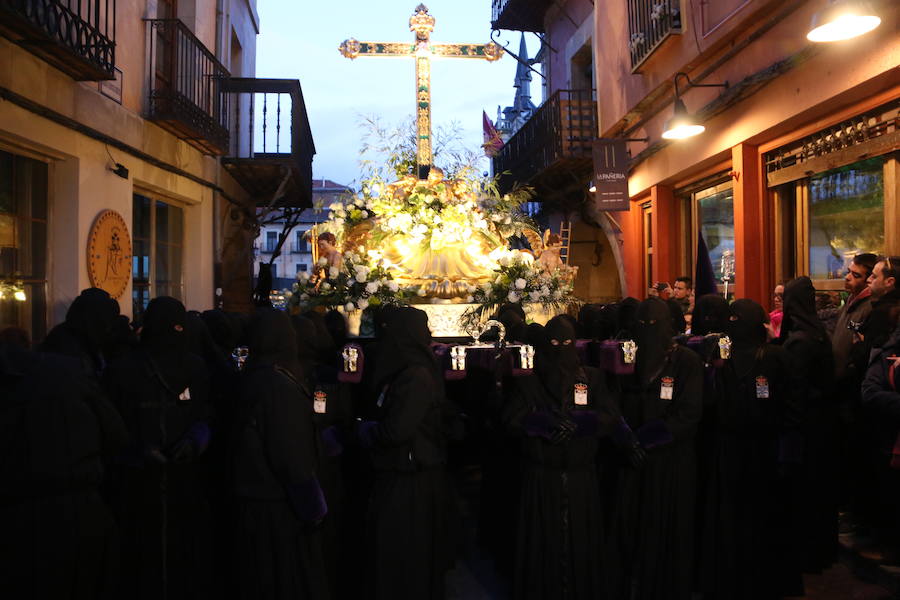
(747, 330)
(653, 334)
(800, 310)
(710, 315)
(403, 340)
(272, 342)
(556, 360)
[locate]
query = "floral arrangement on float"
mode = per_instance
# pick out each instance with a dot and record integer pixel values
(445, 239)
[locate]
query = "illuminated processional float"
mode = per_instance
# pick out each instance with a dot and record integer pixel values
(413, 234)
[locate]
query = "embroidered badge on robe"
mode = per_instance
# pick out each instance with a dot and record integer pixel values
(319, 402)
(762, 387)
(185, 395)
(667, 388)
(581, 394)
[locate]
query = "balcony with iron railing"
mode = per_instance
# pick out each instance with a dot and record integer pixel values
(77, 37)
(554, 146)
(272, 147)
(650, 23)
(186, 87)
(519, 15)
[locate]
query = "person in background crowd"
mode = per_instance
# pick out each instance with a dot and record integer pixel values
(747, 534)
(881, 399)
(558, 413)
(280, 502)
(86, 331)
(848, 376)
(681, 293)
(663, 290)
(804, 338)
(652, 542)
(410, 513)
(58, 536)
(777, 313)
(162, 392)
(884, 283)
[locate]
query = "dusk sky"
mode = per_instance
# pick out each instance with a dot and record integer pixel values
(300, 40)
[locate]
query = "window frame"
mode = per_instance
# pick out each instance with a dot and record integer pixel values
(152, 242)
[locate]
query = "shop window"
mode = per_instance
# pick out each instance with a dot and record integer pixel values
(23, 244)
(709, 209)
(647, 220)
(845, 217)
(158, 229)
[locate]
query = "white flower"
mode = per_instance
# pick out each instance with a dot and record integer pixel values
(303, 276)
(487, 287)
(349, 307)
(535, 295)
(365, 214)
(521, 283)
(421, 292)
(362, 303)
(393, 286)
(341, 213)
(348, 255)
(470, 299)
(359, 202)
(507, 220)
(322, 262)
(333, 272)
(557, 294)
(368, 206)
(335, 206)
(505, 261)
(545, 291)
(326, 286)
(496, 217)
(339, 222)
(304, 296)
(512, 297)
(372, 287)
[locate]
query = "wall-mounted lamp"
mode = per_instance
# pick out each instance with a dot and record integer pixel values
(592, 187)
(117, 168)
(682, 125)
(843, 20)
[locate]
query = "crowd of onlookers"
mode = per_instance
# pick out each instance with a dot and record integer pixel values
(224, 455)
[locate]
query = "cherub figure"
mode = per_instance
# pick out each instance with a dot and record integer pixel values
(328, 249)
(546, 250)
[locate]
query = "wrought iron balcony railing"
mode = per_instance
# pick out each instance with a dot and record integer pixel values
(186, 87)
(519, 15)
(557, 139)
(272, 147)
(650, 22)
(76, 36)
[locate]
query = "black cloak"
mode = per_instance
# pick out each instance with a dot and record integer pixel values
(411, 513)
(746, 548)
(559, 413)
(804, 338)
(279, 499)
(162, 393)
(58, 535)
(652, 542)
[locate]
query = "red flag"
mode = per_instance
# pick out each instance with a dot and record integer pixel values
(492, 140)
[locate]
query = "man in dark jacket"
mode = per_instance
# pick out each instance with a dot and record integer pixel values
(884, 283)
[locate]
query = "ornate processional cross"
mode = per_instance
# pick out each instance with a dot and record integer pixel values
(422, 24)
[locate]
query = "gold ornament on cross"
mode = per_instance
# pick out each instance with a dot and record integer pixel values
(421, 24)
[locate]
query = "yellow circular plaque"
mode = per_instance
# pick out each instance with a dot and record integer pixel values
(109, 253)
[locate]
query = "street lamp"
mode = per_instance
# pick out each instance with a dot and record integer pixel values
(843, 20)
(682, 125)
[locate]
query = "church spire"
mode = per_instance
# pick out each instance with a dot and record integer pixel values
(522, 82)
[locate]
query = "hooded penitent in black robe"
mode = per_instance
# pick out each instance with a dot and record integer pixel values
(333, 420)
(816, 500)
(652, 542)
(86, 332)
(558, 413)
(161, 391)
(280, 501)
(57, 536)
(409, 521)
(746, 548)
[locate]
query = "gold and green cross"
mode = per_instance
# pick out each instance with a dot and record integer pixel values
(422, 24)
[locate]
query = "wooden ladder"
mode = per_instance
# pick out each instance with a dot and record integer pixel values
(565, 233)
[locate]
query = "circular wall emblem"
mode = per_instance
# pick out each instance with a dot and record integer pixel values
(109, 253)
